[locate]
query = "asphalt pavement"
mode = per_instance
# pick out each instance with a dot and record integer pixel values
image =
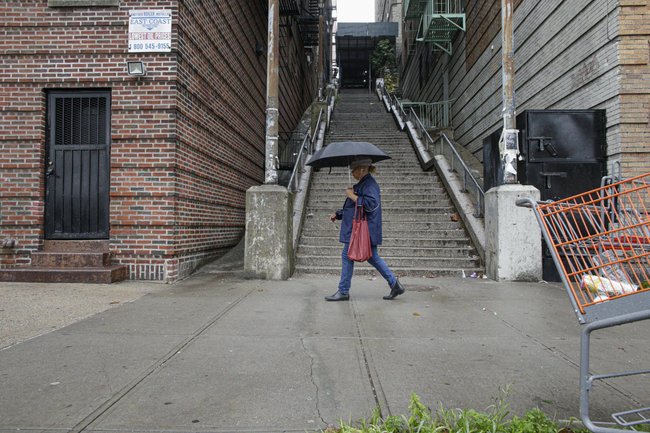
(221, 353)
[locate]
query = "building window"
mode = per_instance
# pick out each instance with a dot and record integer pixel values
(81, 3)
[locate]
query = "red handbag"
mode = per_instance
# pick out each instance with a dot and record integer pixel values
(360, 248)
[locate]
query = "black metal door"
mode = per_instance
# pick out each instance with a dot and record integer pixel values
(77, 169)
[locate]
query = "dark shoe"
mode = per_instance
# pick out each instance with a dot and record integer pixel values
(395, 291)
(338, 296)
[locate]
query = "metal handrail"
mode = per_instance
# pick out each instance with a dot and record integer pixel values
(443, 143)
(400, 107)
(293, 180)
(394, 101)
(469, 181)
(434, 115)
(315, 131)
(331, 101)
(307, 147)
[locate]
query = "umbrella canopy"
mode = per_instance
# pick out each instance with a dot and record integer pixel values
(341, 154)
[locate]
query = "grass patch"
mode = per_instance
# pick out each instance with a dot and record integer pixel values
(495, 419)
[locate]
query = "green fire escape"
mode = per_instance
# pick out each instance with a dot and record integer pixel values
(439, 21)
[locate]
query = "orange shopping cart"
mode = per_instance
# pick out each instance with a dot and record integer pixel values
(600, 243)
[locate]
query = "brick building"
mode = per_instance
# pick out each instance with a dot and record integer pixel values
(569, 54)
(154, 166)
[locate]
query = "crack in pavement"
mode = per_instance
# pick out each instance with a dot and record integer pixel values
(311, 377)
(377, 390)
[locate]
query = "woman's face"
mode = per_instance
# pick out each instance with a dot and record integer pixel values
(359, 172)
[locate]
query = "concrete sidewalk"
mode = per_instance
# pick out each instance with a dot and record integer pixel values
(223, 354)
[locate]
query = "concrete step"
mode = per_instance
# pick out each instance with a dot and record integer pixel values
(414, 253)
(427, 189)
(367, 270)
(70, 259)
(389, 146)
(385, 170)
(33, 274)
(442, 221)
(403, 185)
(394, 230)
(305, 261)
(385, 180)
(360, 107)
(336, 202)
(385, 176)
(78, 246)
(336, 197)
(405, 164)
(432, 185)
(407, 183)
(362, 132)
(399, 212)
(413, 241)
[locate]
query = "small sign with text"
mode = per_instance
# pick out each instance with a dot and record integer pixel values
(150, 31)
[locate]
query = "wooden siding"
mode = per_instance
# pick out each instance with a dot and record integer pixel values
(567, 56)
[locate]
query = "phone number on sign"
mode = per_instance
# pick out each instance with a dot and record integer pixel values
(150, 46)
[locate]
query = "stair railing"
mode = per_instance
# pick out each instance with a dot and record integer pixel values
(433, 115)
(331, 101)
(383, 93)
(306, 149)
(400, 107)
(442, 146)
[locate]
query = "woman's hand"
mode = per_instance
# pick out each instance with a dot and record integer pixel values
(333, 217)
(351, 195)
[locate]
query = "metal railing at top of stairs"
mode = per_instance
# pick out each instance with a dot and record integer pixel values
(433, 115)
(441, 146)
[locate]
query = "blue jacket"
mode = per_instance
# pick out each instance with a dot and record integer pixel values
(369, 195)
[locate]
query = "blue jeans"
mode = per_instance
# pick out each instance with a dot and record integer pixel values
(347, 269)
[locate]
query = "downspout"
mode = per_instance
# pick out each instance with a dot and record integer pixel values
(272, 91)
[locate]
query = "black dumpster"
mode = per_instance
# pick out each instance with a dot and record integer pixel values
(562, 154)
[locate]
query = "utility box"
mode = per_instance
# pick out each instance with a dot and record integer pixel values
(562, 153)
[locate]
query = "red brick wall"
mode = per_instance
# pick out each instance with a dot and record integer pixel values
(221, 119)
(187, 139)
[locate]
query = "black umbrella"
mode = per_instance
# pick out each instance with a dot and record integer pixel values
(342, 153)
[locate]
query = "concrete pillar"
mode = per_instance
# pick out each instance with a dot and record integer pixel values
(269, 233)
(513, 239)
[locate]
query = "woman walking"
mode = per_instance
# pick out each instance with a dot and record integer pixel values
(364, 193)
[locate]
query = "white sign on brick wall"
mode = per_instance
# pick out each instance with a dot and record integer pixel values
(150, 31)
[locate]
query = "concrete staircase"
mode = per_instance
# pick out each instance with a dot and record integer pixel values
(420, 234)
